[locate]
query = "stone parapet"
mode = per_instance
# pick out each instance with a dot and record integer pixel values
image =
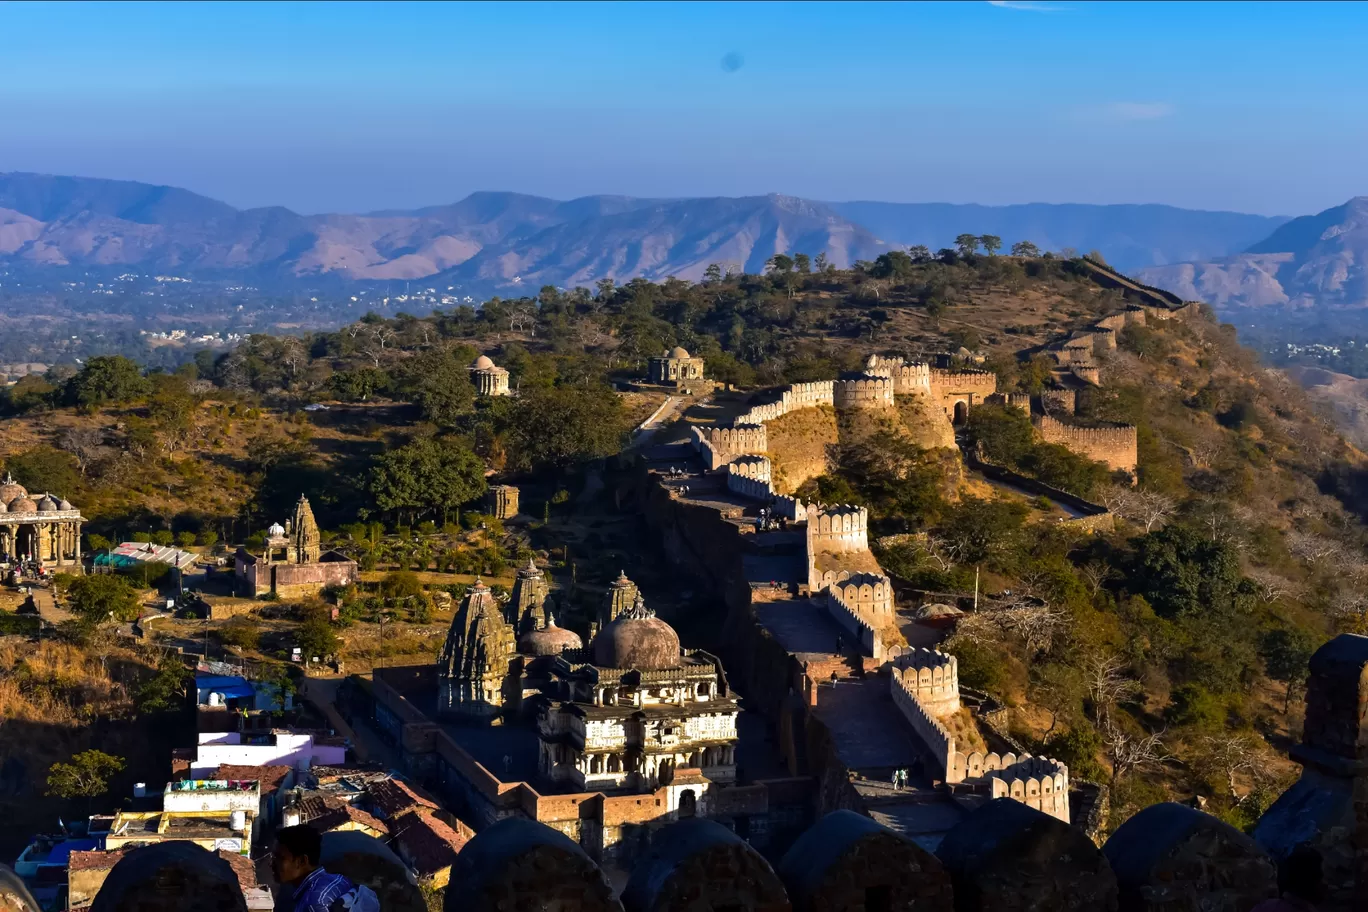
(837, 528)
(1116, 445)
(931, 675)
(863, 392)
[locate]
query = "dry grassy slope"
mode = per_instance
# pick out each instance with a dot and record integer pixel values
(1343, 396)
(1270, 466)
(1037, 311)
(800, 446)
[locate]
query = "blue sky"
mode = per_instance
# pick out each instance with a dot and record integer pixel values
(352, 107)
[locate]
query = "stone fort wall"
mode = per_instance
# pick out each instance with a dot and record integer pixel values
(837, 529)
(931, 676)
(1117, 446)
(864, 392)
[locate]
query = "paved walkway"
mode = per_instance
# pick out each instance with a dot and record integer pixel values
(46, 605)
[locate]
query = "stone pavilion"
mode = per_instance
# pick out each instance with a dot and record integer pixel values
(46, 529)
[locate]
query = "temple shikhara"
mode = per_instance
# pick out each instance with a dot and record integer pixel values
(45, 530)
(293, 562)
(629, 713)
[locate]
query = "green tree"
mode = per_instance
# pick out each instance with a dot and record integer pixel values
(97, 597)
(982, 528)
(85, 776)
(358, 385)
(166, 689)
(426, 476)
(315, 637)
(1004, 435)
(185, 539)
(893, 264)
(991, 243)
(558, 428)
(1287, 656)
(107, 380)
(401, 584)
(240, 632)
(1025, 249)
(712, 274)
(967, 244)
(208, 538)
(96, 542)
(163, 537)
(802, 263)
(441, 388)
(1178, 570)
(821, 264)
(779, 263)
(46, 469)
(919, 253)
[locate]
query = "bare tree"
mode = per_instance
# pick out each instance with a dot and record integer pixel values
(1097, 573)
(84, 443)
(1315, 550)
(1129, 751)
(1143, 507)
(1230, 755)
(1107, 684)
(1035, 624)
(382, 333)
(523, 317)
(944, 553)
(1272, 588)
(292, 355)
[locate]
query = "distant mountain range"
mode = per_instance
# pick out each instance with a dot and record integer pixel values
(494, 241)
(1316, 261)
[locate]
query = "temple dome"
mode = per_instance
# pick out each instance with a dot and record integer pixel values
(47, 504)
(10, 489)
(65, 505)
(637, 639)
(23, 505)
(484, 362)
(276, 530)
(678, 353)
(550, 640)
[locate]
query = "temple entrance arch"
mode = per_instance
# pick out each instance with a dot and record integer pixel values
(961, 411)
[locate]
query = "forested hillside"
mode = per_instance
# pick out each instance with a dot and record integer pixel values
(1165, 657)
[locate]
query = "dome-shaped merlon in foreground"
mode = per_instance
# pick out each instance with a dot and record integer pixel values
(1006, 856)
(366, 860)
(170, 877)
(697, 864)
(14, 896)
(1173, 858)
(516, 865)
(846, 862)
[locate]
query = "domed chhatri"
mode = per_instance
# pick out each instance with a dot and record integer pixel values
(44, 529)
(676, 367)
(549, 640)
(489, 379)
(638, 640)
(11, 489)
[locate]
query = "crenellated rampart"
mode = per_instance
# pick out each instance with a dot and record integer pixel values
(865, 391)
(757, 467)
(929, 729)
(791, 508)
(838, 528)
(869, 595)
(853, 622)
(1116, 445)
(752, 488)
(1019, 401)
(910, 378)
(931, 675)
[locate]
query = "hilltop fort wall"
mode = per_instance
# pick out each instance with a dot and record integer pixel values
(863, 392)
(838, 528)
(960, 390)
(1116, 445)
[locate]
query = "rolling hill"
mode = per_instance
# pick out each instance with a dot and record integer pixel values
(495, 240)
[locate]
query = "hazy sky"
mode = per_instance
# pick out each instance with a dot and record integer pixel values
(320, 107)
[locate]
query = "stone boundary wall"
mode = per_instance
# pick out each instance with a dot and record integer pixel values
(757, 467)
(1059, 400)
(791, 508)
(931, 675)
(1117, 446)
(863, 392)
(953, 382)
(852, 622)
(910, 378)
(787, 399)
(1036, 782)
(1019, 401)
(1088, 373)
(935, 736)
(837, 528)
(868, 595)
(746, 486)
(1095, 516)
